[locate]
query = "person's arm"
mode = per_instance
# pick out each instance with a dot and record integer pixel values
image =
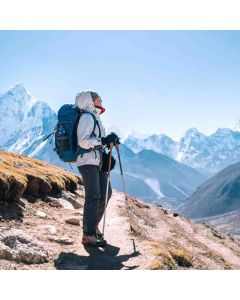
(84, 131)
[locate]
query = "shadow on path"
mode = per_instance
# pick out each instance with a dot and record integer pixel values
(98, 259)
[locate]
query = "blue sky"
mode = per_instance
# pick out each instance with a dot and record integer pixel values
(150, 81)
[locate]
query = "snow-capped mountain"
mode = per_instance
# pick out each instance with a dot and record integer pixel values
(14, 106)
(158, 143)
(24, 122)
(206, 153)
(211, 153)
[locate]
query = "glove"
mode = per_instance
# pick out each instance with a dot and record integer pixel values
(111, 138)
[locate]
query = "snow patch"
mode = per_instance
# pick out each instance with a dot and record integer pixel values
(155, 186)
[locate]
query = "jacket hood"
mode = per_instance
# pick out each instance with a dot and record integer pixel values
(84, 101)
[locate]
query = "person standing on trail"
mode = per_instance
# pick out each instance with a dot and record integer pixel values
(90, 165)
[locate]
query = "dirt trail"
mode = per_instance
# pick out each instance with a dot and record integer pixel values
(158, 240)
(121, 251)
(118, 254)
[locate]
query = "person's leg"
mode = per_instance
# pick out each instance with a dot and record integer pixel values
(90, 177)
(103, 190)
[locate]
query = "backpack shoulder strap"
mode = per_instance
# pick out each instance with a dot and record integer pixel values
(95, 122)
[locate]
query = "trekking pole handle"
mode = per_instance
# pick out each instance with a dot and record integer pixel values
(110, 158)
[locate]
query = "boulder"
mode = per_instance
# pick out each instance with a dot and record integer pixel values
(72, 198)
(60, 202)
(17, 245)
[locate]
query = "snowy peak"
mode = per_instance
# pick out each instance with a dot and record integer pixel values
(206, 153)
(192, 139)
(158, 143)
(14, 106)
(222, 132)
(18, 89)
(28, 120)
(18, 94)
(192, 132)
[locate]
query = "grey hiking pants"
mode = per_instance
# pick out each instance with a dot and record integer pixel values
(95, 185)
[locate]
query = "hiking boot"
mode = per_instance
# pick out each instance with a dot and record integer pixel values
(93, 240)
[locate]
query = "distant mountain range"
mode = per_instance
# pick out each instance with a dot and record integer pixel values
(207, 154)
(155, 177)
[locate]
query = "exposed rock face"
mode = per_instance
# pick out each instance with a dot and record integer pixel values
(18, 246)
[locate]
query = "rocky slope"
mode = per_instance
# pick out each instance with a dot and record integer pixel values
(217, 201)
(219, 195)
(228, 223)
(40, 227)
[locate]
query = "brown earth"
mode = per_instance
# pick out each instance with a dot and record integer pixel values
(140, 236)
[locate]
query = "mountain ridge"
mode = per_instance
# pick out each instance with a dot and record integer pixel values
(206, 153)
(218, 195)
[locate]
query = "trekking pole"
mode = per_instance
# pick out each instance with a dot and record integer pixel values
(121, 171)
(123, 183)
(108, 180)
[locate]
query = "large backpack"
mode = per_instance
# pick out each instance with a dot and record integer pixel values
(65, 133)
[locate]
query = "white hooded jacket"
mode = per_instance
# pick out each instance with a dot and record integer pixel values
(85, 127)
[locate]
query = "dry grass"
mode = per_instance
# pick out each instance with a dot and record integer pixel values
(20, 175)
(155, 265)
(166, 260)
(168, 256)
(152, 243)
(182, 257)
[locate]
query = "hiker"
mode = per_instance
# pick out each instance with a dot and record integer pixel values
(92, 166)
